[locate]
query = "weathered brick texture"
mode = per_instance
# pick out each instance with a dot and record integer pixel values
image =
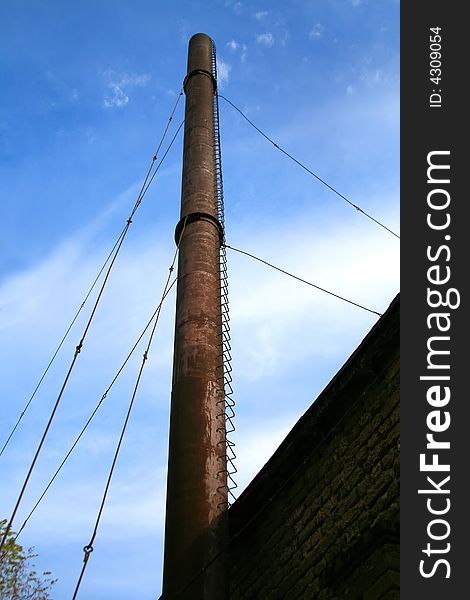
(320, 520)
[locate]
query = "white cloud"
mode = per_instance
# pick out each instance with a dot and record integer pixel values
(260, 295)
(223, 72)
(184, 32)
(316, 32)
(372, 77)
(255, 446)
(277, 324)
(73, 503)
(261, 14)
(265, 39)
(120, 85)
(238, 8)
(285, 38)
(232, 45)
(236, 47)
(118, 97)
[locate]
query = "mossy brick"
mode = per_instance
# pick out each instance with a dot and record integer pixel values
(291, 577)
(308, 529)
(310, 591)
(308, 587)
(391, 595)
(386, 461)
(388, 581)
(348, 484)
(312, 542)
(326, 594)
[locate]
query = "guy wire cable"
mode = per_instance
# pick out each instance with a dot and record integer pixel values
(265, 262)
(97, 407)
(282, 486)
(142, 192)
(78, 349)
(88, 549)
(64, 337)
(330, 187)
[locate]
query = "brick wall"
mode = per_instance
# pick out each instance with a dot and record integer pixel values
(320, 520)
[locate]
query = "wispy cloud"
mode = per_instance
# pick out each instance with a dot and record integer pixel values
(372, 77)
(236, 47)
(73, 504)
(285, 38)
(120, 85)
(316, 32)
(237, 7)
(277, 324)
(232, 45)
(261, 14)
(265, 39)
(255, 445)
(351, 271)
(371, 74)
(62, 90)
(223, 72)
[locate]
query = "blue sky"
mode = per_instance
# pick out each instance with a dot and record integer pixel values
(87, 89)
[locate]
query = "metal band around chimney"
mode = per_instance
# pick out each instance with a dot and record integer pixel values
(200, 72)
(198, 216)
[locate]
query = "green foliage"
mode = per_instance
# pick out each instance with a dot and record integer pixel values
(18, 580)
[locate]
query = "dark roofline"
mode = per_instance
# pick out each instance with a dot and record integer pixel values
(371, 357)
